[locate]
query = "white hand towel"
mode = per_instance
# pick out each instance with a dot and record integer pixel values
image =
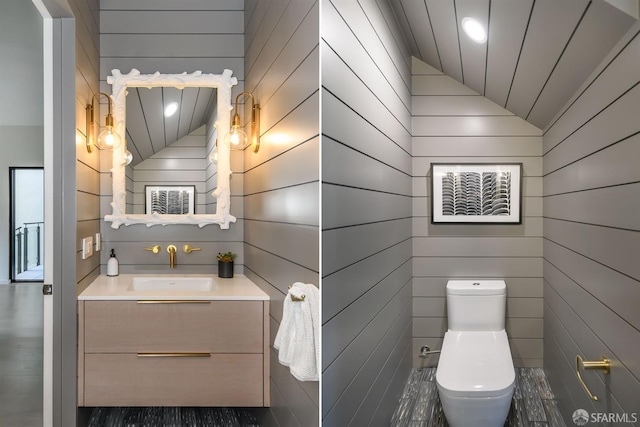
(297, 340)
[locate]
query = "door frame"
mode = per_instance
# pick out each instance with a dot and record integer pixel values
(60, 320)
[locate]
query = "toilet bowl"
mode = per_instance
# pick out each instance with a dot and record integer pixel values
(475, 375)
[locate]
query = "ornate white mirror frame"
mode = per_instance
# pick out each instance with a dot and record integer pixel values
(223, 83)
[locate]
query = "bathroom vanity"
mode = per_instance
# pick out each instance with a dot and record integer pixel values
(183, 342)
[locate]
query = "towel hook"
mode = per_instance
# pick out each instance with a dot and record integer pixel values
(603, 364)
(295, 298)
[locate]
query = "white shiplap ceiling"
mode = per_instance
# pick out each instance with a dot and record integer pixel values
(149, 131)
(537, 55)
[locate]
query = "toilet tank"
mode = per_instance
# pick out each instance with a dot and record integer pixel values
(476, 305)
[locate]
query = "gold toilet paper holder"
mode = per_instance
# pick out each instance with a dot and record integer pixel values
(603, 364)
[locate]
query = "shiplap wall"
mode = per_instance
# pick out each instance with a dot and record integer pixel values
(281, 181)
(86, 13)
(592, 236)
(172, 36)
(451, 124)
(366, 212)
(181, 163)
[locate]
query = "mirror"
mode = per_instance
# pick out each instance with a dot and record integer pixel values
(207, 97)
(169, 149)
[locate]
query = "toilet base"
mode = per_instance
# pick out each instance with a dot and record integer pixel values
(476, 411)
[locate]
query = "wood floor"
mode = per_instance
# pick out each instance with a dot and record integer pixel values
(533, 403)
(21, 317)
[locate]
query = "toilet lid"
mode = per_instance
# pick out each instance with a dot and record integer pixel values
(478, 362)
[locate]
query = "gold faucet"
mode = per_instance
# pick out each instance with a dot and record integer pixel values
(172, 256)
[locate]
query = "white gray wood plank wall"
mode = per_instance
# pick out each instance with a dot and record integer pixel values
(281, 181)
(366, 260)
(592, 236)
(184, 162)
(451, 124)
(87, 19)
(173, 37)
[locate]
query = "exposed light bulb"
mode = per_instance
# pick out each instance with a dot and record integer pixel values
(128, 157)
(237, 138)
(171, 109)
(474, 30)
(108, 139)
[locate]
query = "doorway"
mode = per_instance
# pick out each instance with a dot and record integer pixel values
(26, 188)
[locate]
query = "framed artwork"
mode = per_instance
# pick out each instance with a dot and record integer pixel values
(170, 199)
(476, 193)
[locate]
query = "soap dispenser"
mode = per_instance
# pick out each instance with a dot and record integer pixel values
(112, 264)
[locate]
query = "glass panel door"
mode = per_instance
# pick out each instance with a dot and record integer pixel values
(27, 224)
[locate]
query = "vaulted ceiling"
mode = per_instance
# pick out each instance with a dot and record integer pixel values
(537, 55)
(149, 130)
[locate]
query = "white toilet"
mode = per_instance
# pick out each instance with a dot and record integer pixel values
(475, 375)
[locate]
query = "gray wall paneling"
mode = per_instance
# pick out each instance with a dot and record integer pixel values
(182, 163)
(446, 36)
(173, 37)
(504, 49)
(442, 132)
(600, 29)
(591, 237)
(87, 164)
(532, 72)
(281, 181)
(366, 206)
(87, 168)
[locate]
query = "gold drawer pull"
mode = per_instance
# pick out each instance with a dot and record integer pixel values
(174, 354)
(176, 301)
(603, 364)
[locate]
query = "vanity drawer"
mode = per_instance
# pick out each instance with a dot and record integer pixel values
(130, 380)
(202, 326)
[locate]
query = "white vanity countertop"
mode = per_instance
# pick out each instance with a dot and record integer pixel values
(119, 288)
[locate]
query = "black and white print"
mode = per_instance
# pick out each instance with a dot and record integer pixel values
(476, 193)
(170, 200)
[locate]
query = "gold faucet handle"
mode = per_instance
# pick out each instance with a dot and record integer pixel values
(155, 249)
(188, 249)
(171, 249)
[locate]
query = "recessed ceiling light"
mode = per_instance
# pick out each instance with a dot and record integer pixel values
(171, 109)
(474, 30)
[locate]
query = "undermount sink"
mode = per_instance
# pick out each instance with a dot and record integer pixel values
(191, 284)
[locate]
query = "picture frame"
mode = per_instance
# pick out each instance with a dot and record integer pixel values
(476, 193)
(170, 199)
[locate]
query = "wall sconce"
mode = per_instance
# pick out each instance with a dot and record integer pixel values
(237, 138)
(108, 139)
(128, 158)
(213, 156)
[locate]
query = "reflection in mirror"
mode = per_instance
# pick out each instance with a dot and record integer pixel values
(171, 149)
